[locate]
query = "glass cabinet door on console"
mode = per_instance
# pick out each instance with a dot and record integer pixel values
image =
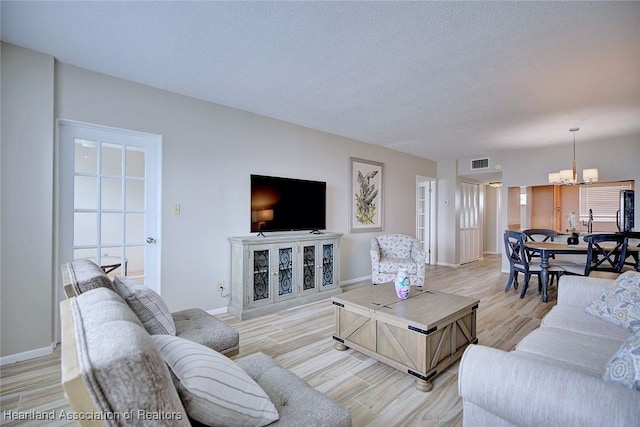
(309, 269)
(327, 262)
(272, 274)
(318, 266)
(283, 272)
(259, 291)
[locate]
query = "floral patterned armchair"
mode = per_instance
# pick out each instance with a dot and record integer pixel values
(390, 252)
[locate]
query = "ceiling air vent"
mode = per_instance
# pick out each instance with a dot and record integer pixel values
(479, 164)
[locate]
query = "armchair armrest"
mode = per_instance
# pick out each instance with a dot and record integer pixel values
(529, 392)
(375, 262)
(580, 291)
(418, 255)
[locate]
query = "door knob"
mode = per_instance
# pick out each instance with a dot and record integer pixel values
(151, 240)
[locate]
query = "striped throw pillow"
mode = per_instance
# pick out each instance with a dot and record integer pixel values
(147, 305)
(213, 389)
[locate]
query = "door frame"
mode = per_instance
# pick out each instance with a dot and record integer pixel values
(61, 197)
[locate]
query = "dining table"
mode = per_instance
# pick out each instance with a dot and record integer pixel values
(547, 249)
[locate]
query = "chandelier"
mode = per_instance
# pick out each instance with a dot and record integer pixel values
(570, 176)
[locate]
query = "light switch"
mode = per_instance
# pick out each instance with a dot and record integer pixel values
(175, 209)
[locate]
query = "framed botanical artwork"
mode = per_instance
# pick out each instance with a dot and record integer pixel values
(366, 196)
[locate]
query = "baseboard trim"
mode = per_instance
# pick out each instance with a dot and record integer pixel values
(446, 264)
(31, 354)
(215, 311)
(342, 283)
(356, 280)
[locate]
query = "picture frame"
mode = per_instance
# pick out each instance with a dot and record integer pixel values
(366, 196)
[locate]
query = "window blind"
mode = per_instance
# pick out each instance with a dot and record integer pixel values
(602, 200)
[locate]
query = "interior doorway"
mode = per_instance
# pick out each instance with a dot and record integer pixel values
(109, 200)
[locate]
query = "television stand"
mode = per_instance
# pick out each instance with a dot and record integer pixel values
(281, 271)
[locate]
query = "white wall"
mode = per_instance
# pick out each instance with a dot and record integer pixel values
(27, 201)
(492, 234)
(209, 151)
(447, 210)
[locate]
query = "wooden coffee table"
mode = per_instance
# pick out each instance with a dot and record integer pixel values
(421, 335)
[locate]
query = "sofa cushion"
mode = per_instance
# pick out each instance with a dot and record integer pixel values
(121, 368)
(620, 302)
(392, 265)
(624, 366)
(575, 319)
(586, 353)
(213, 389)
(395, 245)
(199, 326)
(297, 402)
(147, 305)
(86, 275)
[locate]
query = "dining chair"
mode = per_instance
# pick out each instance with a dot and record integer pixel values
(633, 250)
(539, 235)
(519, 263)
(605, 252)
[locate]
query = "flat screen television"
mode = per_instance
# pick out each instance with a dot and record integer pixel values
(286, 204)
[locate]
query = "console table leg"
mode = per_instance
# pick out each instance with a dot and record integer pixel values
(423, 385)
(339, 346)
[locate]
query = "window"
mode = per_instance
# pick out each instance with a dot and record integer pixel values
(603, 200)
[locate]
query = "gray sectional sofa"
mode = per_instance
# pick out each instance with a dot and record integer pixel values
(563, 373)
(115, 372)
(194, 324)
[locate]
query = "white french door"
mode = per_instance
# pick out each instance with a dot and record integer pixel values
(425, 216)
(469, 222)
(109, 199)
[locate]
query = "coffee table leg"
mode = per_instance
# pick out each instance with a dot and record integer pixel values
(423, 385)
(339, 346)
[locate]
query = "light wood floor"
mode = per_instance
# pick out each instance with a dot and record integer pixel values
(300, 340)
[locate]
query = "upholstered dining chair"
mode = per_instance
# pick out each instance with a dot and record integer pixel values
(519, 263)
(391, 252)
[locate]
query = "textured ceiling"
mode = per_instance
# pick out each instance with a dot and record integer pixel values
(440, 80)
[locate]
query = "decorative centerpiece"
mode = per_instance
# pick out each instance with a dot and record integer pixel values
(402, 284)
(573, 239)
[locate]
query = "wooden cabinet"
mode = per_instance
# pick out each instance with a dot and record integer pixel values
(277, 272)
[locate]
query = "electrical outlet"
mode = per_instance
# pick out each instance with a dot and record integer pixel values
(221, 286)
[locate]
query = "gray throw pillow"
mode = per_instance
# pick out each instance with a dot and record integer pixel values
(214, 390)
(620, 302)
(624, 366)
(147, 305)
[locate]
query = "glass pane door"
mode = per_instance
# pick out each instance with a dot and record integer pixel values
(108, 223)
(109, 203)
